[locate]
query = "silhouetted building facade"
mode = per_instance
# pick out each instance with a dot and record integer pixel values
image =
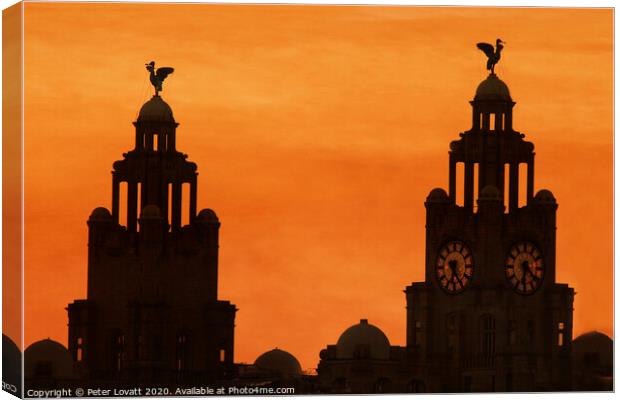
(275, 369)
(152, 312)
(489, 315)
(363, 361)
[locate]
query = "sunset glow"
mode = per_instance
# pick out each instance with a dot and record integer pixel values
(318, 133)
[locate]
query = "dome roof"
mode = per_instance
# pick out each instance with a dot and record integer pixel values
(278, 361)
(47, 357)
(492, 88)
(594, 352)
(150, 211)
(155, 110)
(544, 196)
(593, 347)
(11, 362)
(207, 215)
(100, 214)
(366, 338)
(437, 195)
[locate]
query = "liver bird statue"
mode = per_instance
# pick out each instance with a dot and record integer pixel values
(157, 78)
(493, 54)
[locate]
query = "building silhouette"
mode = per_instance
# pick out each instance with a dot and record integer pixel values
(489, 315)
(364, 361)
(152, 312)
(11, 366)
(593, 362)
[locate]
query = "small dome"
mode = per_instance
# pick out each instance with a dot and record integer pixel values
(11, 363)
(363, 341)
(544, 196)
(150, 211)
(48, 358)
(489, 192)
(100, 214)
(155, 110)
(278, 361)
(207, 215)
(437, 195)
(492, 88)
(594, 350)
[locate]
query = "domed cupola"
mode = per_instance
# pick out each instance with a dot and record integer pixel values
(156, 110)
(279, 362)
(492, 106)
(492, 89)
(156, 127)
(363, 341)
(48, 358)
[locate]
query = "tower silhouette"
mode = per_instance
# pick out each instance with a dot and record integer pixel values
(489, 315)
(152, 312)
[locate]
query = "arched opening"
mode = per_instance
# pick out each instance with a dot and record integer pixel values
(170, 203)
(460, 184)
(561, 334)
(122, 203)
(185, 199)
(522, 184)
(141, 196)
(476, 184)
(506, 186)
(79, 349)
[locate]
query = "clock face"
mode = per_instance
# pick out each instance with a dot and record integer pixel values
(454, 267)
(524, 267)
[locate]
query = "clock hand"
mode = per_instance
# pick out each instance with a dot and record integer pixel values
(453, 266)
(532, 274)
(459, 279)
(524, 269)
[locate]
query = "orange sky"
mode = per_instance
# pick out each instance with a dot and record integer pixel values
(318, 132)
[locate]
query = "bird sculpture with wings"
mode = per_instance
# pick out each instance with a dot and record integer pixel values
(157, 78)
(493, 54)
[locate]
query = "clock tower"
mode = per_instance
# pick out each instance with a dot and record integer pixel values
(489, 315)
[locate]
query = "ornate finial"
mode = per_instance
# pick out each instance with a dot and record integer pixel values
(157, 78)
(492, 53)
